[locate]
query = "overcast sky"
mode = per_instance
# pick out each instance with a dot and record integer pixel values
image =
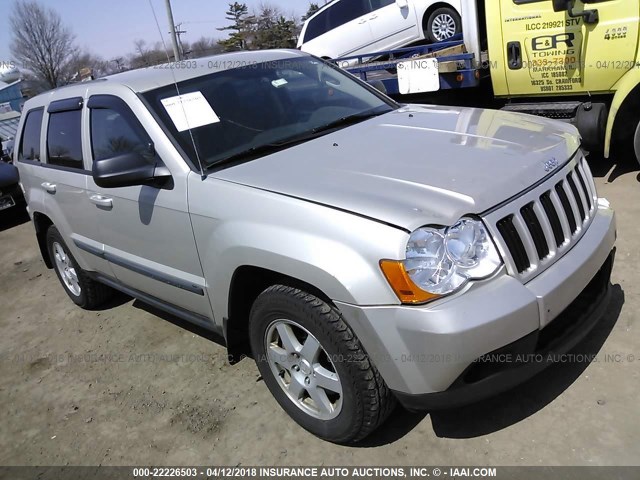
(109, 27)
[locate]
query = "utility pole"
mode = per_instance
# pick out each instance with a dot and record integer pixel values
(174, 40)
(179, 31)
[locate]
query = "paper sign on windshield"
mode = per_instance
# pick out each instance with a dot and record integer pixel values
(190, 110)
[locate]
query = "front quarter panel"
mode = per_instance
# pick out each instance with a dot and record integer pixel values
(336, 252)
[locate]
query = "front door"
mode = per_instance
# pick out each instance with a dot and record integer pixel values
(146, 230)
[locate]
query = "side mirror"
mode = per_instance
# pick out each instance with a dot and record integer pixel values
(126, 170)
(402, 3)
(561, 5)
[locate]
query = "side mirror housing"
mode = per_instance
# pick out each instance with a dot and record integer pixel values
(127, 170)
(561, 5)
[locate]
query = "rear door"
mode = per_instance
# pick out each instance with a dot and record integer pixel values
(548, 53)
(391, 25)
(64, 182)
(29, 157)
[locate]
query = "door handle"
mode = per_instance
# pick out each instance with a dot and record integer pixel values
(363, 20)
(101, 201)
(514, 55)
(373, 18)
(49, 187)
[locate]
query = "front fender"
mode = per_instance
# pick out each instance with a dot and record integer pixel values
(623, 89)
(337, 269)
(334, 251)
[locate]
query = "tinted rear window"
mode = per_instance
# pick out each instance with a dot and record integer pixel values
(316, 27)
(64, 143)
(345, 11)
(30, 141)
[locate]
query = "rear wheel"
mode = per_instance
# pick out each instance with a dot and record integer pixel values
(442, 24)
(315, 366)
(84, 291)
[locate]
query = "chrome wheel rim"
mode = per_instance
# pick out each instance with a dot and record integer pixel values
(303, 369)
(66, 269)
(443, 27)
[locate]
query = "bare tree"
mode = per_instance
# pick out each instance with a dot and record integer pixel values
(42, 43)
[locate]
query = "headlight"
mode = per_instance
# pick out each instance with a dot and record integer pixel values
(440, 261)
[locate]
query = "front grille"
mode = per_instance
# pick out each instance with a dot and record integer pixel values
(549, 223)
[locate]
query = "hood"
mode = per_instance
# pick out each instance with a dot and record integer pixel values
(417, 165)
(8, 175)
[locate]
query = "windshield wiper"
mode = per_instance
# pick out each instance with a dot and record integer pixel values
(350, 120)
(273, 147)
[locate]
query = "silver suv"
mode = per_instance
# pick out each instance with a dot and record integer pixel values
(361, 251)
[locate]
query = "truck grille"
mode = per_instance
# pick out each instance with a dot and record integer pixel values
(545, 223)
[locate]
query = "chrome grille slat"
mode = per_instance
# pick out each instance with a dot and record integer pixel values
(581, 202)
(586, 184)
(591, 183)
(545, 224)
(539, 227)
(527, 240)
(573, 205)
(560, 211)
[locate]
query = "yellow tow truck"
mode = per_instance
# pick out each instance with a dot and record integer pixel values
(574, 60)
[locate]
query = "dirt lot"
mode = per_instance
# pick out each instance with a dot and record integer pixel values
(122, 386)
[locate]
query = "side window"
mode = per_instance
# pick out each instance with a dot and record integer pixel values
(347, 10)
(64, 140)
(316, 27)
(112, 135)
(30, 138)
(378, 4)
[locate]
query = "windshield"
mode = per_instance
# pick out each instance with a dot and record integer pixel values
(262, 107)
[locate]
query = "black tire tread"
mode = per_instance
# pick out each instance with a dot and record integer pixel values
(377, 400)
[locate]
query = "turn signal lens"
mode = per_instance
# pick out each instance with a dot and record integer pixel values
(403, 286)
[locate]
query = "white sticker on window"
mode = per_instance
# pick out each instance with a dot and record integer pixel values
(190, 110)
(279, 82)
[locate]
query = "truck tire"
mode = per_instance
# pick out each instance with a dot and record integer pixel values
(591, 122)
(84, 291)
(636, 142)
(315, 366)
(442, 24)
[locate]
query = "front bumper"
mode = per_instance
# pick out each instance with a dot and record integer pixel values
(436, 355)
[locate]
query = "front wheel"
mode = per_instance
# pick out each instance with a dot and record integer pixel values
(315, 366)
(442, 24)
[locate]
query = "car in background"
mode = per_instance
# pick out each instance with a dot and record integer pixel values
(353, 27)
(10, 191)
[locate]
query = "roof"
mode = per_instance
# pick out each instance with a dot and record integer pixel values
(157, 76)
(149, 78)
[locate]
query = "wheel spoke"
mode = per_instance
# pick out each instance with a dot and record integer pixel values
(311, 349)
(327, 379)
(321, 400)
(280, 356)
(288, 337)
(295, 388)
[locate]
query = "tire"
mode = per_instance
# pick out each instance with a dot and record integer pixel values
(84, 291)
(442, 24)
(636, 143)
(592, 124)
(354, 399)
